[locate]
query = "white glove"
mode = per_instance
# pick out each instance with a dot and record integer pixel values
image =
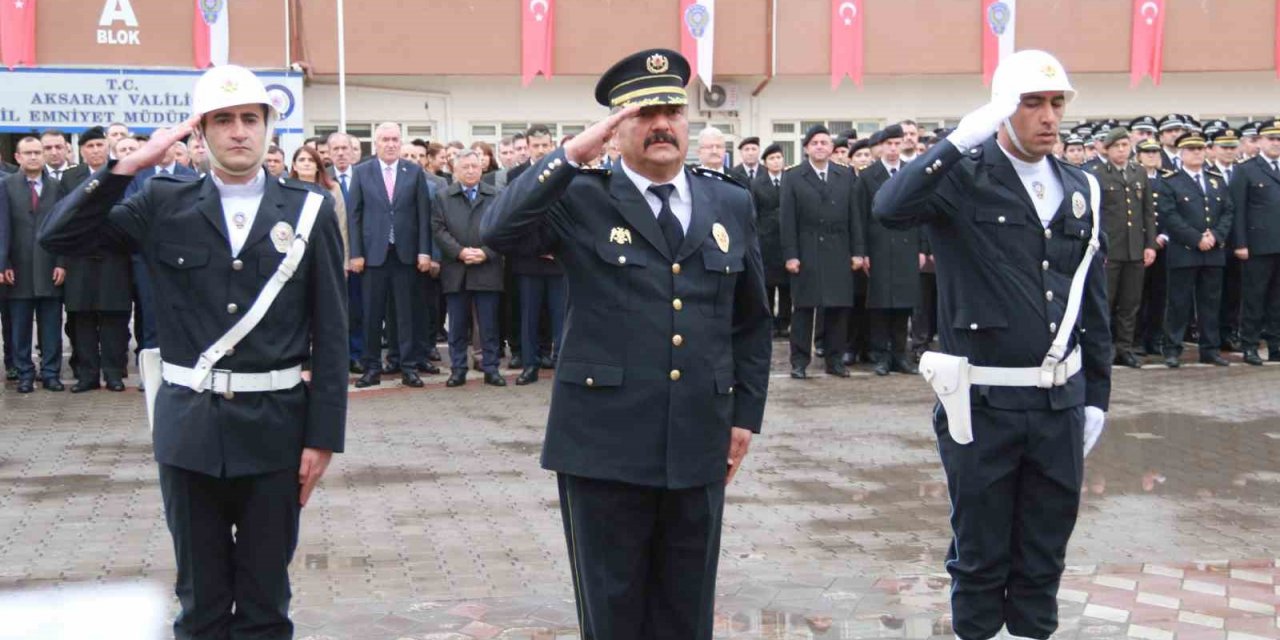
(1094, 420)
(982, 123)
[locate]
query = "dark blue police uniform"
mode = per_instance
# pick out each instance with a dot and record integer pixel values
(1255, 196)
(228, 461)
(1003, 283)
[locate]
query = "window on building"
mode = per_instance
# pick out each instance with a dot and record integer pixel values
(492, 132)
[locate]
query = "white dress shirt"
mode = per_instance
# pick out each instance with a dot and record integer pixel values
(244, 199)
(681, 202)
(338, 175)
(1031, 173)
(892, 168)
(823, 173)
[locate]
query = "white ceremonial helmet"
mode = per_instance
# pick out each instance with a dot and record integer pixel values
(231, 86)
(1030, 71)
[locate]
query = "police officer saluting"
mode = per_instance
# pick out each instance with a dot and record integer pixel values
(662, 377)
(1026, 371)
(248, 273)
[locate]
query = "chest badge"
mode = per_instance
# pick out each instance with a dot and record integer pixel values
(721, 235)
(1077, 205)
(282, 236)
(620, 235)
(1213, 182)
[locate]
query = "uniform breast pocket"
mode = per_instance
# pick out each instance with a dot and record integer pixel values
(176, 264)
(1077, 227)
(725, 269)
(1001, 226)
(622, 265)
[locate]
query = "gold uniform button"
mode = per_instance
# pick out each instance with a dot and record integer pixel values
(675, 375)
(228, 394)
(232, 308)
(237, 265)
(677, 340)
(675, 268)
(591, 382)
(677, 304)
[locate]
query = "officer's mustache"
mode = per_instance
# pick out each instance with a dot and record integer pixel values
(660, 137)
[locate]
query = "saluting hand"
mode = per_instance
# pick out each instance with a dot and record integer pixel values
(585, 147)
(151, 153)
(312, 468)
(739, 443)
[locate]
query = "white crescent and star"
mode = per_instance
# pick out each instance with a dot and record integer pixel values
(533, 8)
(1155, 11)
(853, 12)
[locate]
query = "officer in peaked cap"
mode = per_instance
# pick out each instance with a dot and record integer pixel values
(1223, 145)
(240, 440)
(1248, 140)
(663, 373)
(1009, 227)
(1142, 128)
(1073, 150)
(1195, 214)
(1170, 127)
(1255, 193)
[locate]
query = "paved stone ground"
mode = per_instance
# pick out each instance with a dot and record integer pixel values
(438, 522)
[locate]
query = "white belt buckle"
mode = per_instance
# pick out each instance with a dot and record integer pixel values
(226, 386)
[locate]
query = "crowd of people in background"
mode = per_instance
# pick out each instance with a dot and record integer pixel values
(844, 288)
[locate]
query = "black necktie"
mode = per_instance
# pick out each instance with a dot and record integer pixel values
(892, 172)
(777, 182)
(1275, 166)
(667, 220)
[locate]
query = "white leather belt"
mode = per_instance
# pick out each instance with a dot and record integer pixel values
(229, 382)
(1025, 376)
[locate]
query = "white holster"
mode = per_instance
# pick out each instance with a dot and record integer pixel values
(949, 377)
(151, 368)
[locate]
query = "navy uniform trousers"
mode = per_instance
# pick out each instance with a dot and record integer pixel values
(1022, 473)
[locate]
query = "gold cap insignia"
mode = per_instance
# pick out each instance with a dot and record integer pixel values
(657, 63)
(721, 235)
(230, 86)
(1049, 71)
(620, 235)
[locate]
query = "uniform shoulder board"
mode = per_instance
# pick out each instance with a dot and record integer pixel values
(791, 167)
(1168, 173)
(1213, 172)
(595, 171)
(723, 177)
(294, 183)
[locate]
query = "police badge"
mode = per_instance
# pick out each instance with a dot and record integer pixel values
(1077, 204)
(620, 235)
(721, 235)
(282, 236)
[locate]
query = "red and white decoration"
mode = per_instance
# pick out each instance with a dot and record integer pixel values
(210, 33)
(999, 22)
(846, 41)
(18, 33)
(698, 36)
(537, 35)
(1146, 42)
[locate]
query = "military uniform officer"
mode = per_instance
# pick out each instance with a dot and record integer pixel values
(1248, 141)
(241, 448)
(1073, 150)
(1141, 129)
(665, 364)
(1009, 226)
(1223, 145)
(1129, 219)
(1255, 194)
(1195, 213)
(1170, 128)
(1150, 323)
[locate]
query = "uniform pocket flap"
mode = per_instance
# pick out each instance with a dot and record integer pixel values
(589, 374)
(180, 256)
(995, 215)
(724, 382)
(720, 262)
(620, 255)
(979, 316)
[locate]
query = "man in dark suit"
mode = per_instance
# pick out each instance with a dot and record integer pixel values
(767, 191)
(1195, 212)
(240, 447)
(34, 274)
(390, 235)
(666, 357)
(540, 286)
(817, 244)
(341, 147)
(892, 259)
(1255, 195)
(1011, 227)
(747, 170)
(470, 272)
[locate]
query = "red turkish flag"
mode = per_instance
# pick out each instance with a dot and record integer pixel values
(1146, 43)
(18, 32)
(537, 38)
(846, 41)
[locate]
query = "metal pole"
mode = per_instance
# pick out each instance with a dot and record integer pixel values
(287, 61)
(342, 69)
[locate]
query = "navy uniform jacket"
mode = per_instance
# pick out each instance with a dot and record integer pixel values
(894, 280)
(177, 224)
(662, 354)
(371, 216)
(1185, 213)
(1003, 279)
(1255, 199)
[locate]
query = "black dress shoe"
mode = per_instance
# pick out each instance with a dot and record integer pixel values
(1127, 359)
(356, 367)
(1172, 362)
(1214, 359)
(26, 386)
(82, 386)
(411, 379)
(434, 356)
(798, 373)
(528, 376)
(837, 369)
(369, 379)
(115, 385)
(882, 368)
(515, 363)
(494, 379)
(53, 384)
(1251, 357)
(428, 367)
(457, 378)
(902, 365)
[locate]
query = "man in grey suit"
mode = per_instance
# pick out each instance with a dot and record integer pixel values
(390, 234)
(34, 275)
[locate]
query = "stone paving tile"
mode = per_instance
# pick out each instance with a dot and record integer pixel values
(438, 517)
